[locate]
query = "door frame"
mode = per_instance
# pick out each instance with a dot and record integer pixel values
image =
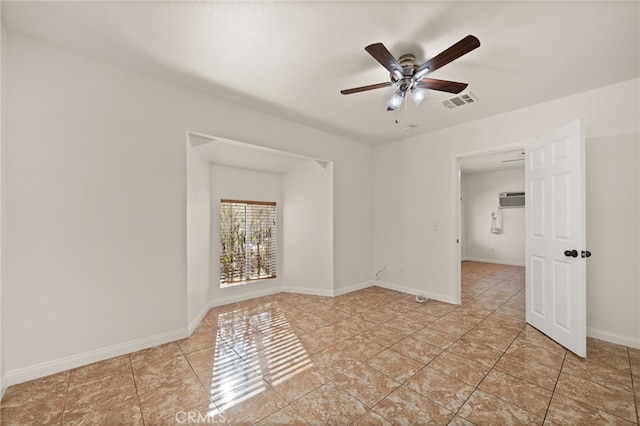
(457, 211)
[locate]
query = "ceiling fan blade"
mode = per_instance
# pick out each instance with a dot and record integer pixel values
(385, 58)
(365, 88)
(441, 85)
(459, 49)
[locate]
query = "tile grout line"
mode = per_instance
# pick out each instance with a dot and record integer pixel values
(135, 385)
(633, 389)
(553, 393)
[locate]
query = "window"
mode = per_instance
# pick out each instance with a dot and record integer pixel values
(248, 241)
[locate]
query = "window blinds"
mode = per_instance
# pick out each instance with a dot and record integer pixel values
(248, 241)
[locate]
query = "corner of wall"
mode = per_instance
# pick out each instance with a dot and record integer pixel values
(3, 49)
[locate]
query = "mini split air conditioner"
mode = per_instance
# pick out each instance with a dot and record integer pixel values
(510, 200)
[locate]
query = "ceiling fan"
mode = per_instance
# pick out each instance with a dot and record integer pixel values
(409, 77)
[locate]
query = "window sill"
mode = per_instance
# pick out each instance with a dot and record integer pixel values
(241, 283)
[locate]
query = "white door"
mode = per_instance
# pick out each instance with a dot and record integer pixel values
(555, 237)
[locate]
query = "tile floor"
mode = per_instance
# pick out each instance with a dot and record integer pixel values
(370, 357)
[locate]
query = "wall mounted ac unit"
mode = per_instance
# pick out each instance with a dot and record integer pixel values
(510, 200)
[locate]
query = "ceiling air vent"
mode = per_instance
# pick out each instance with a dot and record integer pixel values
(462, 99)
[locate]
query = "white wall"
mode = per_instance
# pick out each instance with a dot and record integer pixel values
(613, 235)
(241, 184)
(95, 255)
(3, 38)
(198, 235)
(480, 199)
(419, 175)
(308, 243)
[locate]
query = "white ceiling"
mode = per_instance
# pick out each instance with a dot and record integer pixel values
(291, 59)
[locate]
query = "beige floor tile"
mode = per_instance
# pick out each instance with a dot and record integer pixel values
(150, 375)
(452, 326)
(360, 357)
(418, 316)
(609, 376)
(607, 353)
(435, 337)
(332, 362)
(161, 404)
(99, 370)
(372, 419)
(505, 325)
(329, 404)
(385, 335)
(417, 350)
(358, 347)
(250, 404)
(394, 365)
(37, 391)
(366, 384)
(613, 401)
(406, 407)
(484, 409)
(39, 411)
(567, 411)
(407, 326)
(126, 412)
(435, 308)
(494, 341)
(535, 353)
(297, 384)
(287, 416)
(523, 394)
(109, 390)
(529, 371)
(440, 388)
(463, 369)
(476, 351)
(532, 336)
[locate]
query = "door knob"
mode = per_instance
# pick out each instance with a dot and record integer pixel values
(571, 253)
(585, 253)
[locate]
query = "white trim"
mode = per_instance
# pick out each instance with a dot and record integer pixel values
(309, 291)
(242, 297)
(408, 290)
(3, 385)
(50, 367)
(611, 337)
(354, 287)
(198, 318)
(496, 261)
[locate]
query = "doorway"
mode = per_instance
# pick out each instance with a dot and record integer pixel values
(485, 232)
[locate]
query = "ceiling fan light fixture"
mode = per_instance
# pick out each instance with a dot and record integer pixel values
(418, 95)
(395, 101)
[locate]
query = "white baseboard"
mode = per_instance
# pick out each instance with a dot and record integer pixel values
(497, 261)
(74, 361)
(611, 337)
(418, 292)
(309, 291)
(242, 297)
(198, 318)
(3, 385)
(351, 288)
